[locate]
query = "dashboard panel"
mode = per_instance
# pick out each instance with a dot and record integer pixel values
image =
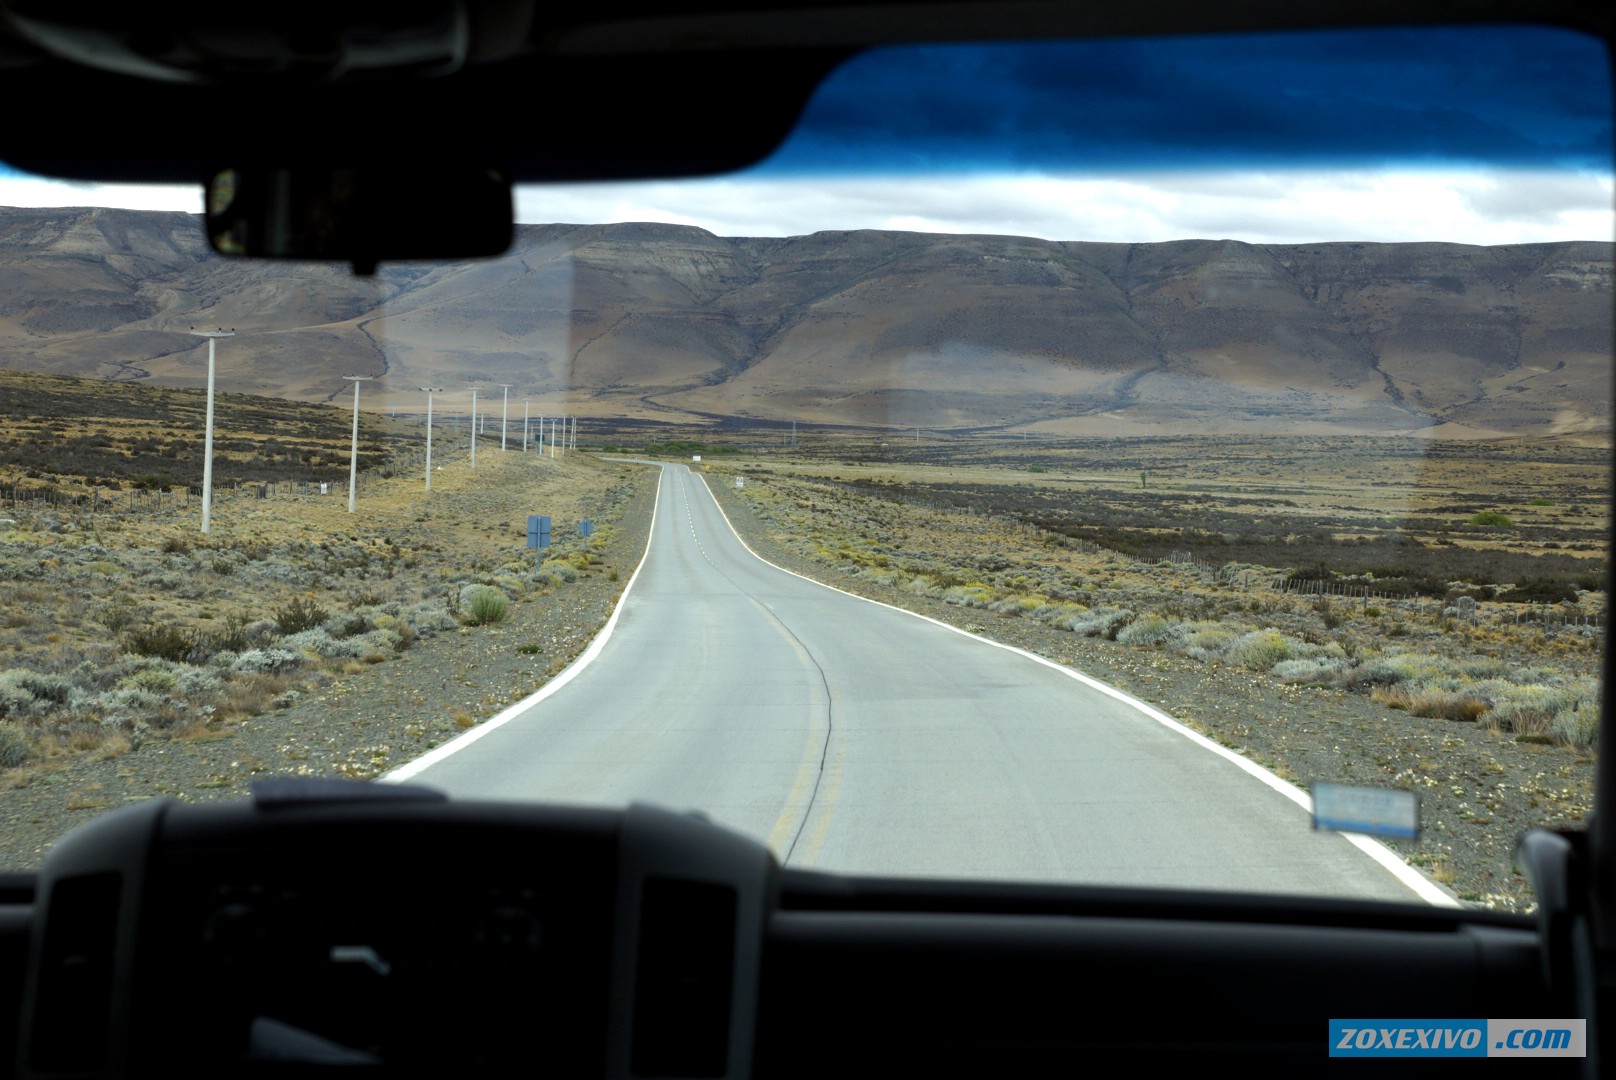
(383, 929)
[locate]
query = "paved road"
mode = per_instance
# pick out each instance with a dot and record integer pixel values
(854, 737)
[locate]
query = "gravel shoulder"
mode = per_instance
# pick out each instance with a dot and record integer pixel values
(357, 725)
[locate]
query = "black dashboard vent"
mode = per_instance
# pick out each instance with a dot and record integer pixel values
(72, 1010)
(684, 979)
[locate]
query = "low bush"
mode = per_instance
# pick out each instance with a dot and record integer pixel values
(42, 687)
(157, 679)
(14, 700)
(1146, 630)
(270, 661)
(1311, 671)
(1262, 650)
(299, 614)
(486, 605)
(16, 748)
(1100, 622)
(161, 640)
(1431, 702)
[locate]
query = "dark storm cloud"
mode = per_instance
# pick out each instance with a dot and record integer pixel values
(1522, 96)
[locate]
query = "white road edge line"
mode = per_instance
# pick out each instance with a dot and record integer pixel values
(570, 672)
(1422, 886)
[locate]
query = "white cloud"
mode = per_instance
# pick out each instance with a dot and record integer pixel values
(37, 191)
(1281, 208)
(1270, 207)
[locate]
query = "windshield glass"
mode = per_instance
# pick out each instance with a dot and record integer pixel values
(1234, 413)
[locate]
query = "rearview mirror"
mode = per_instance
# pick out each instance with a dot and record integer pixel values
(360, 215)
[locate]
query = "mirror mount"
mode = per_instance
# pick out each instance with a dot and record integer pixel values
(362, 215)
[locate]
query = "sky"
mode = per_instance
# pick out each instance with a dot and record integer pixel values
(1478, 136)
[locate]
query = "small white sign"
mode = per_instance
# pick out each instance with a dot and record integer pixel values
(740, 481)
(695, 457)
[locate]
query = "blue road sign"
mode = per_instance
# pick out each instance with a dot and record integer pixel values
(538, 531)
(585, 527)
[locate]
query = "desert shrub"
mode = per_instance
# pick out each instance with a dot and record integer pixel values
(1100, 622)
(1146, 630)
(14, 700)
(1541, 591)
(379, 642)
(52, 689)
(348, 625)
(270, 661)
(1431, 702)
(268, 570)
(1576, 727)
(259, 632)
(125, 708)
(16, 748)
(159, 678)
(510, 583)
(162, 640)
(1393, 668)
(428, 617)
(319, 643)
(1208, 641)
(1311, 671)
(233, 636)
(968, 595)
(564, 571)
(1564, 712)
(1491, 517)
(486, 604)
(299, 614)
(1327, 613)
(1261, 650)
(196, 684)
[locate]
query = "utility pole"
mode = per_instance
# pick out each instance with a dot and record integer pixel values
(430, 390)
(353, 455)
(213, 337)
(524, 425)
(504, 417)
(474, 427)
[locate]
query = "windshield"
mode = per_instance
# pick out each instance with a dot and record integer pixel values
(1234, 414)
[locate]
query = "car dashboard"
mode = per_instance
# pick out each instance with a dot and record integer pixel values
(386, 929)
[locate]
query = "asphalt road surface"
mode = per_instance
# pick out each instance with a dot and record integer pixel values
(856, 738)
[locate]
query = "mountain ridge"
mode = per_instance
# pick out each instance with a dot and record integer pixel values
(860, 327)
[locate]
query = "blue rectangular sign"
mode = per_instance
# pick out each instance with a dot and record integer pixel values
(538, 531)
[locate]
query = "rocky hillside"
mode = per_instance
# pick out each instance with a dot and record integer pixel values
(865, 328)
